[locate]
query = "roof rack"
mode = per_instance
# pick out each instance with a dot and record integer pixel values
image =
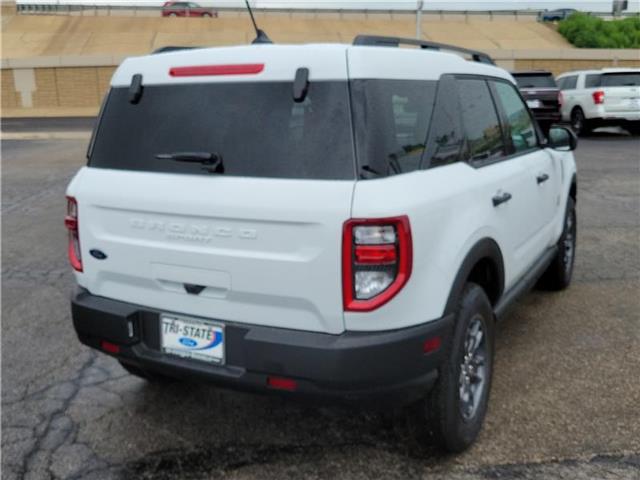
(379, 41)
(171, 49)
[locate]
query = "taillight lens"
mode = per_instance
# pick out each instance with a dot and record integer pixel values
(598, 97)
(376, 261)
(560, 98)
(71, 222)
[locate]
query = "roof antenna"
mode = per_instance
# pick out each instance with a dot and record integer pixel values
(261, 37)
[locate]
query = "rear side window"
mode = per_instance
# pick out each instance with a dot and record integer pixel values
(391, 119)
(624, 79)
(592, 81)
(535, 81)
(446, 137)
(569, 83)
(519, 125)
(257, 129)
(480, 120)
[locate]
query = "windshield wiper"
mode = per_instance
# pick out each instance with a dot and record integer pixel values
(195, 157)
(212, 161)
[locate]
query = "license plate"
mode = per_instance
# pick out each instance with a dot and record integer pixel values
(534, 103)
(192, 338)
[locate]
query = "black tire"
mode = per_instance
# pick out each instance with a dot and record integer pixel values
(442, 413)
(633, 128)
(559, 273)
(579, 123)
(146, 374)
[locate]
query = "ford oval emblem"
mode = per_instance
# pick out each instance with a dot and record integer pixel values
(188, 342)
(99, 254)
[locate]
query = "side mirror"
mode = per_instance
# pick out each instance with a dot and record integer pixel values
(562, 139)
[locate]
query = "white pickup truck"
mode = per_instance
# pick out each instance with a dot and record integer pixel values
(335, 221)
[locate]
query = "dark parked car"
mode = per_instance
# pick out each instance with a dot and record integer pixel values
(542, 95)
(556, 15)
(186, 9)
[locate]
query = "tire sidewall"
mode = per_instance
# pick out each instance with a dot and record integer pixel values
(457, 433)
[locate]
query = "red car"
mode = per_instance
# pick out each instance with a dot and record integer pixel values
(186, 9)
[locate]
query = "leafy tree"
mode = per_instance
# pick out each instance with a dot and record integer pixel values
(585, 31)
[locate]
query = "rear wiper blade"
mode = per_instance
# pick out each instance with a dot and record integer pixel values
(212, 161)
(195, 157)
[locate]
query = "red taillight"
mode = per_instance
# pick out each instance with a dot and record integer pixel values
(375, 254)
(560, 98)
(280, 383)
(213, 70)
(598, 97)
(71, 223)
(110, 347)
(376, 261)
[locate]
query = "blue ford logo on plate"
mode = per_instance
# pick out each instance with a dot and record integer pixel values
(188, 342)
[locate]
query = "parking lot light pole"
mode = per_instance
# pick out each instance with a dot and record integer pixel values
(419, 19)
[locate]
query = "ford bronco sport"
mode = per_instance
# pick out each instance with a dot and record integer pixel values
(331, 221)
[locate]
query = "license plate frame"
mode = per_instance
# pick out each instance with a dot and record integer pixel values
(203, 341)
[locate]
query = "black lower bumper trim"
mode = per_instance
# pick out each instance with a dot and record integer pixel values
(352, 365)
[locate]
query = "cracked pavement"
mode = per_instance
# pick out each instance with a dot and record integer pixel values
(565, 401)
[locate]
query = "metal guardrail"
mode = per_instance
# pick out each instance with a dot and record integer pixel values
(61, 9)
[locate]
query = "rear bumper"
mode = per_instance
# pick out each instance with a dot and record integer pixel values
(382, 367)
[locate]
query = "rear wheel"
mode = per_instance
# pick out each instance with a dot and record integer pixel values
(633, 128)
(579, 122)
(206, 15)
(558, 274)
(454, 411)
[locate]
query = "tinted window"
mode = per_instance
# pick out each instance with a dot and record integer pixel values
(391, 119)
(592, 81)
(519, 124)
(569, 83)
(535, 81)
(257, 128)
(445, 136)
(480, 120)
(627, 79)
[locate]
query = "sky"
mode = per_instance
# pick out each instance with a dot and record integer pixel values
(585, 5)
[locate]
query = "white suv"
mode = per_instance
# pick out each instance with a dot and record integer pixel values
(335, 221)
(600, 98)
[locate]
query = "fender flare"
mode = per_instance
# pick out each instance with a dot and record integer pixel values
(484, 248)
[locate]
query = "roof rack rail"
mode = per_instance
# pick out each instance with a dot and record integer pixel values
(171, 49)
(380, 41)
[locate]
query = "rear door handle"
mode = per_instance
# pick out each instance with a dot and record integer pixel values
(543, 177)
(501, 198)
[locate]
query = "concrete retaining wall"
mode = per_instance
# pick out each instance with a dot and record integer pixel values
(75, 85)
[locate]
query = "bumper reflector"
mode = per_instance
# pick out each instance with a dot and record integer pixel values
(280, 383)
(431, 345)
(109, 347)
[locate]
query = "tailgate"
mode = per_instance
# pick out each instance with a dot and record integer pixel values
(622, 91)
(266, 251)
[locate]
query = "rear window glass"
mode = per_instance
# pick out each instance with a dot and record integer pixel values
(391, 119)
(257, 129)
(621, 80)
(592, 81)
(535, 81)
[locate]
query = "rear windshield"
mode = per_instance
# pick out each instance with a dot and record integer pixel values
(535, 81)
(256, 128)
(629, 79)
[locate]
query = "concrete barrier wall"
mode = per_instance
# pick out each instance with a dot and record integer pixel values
(62, 86)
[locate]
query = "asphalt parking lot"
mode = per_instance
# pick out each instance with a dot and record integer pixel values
(565, 401)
